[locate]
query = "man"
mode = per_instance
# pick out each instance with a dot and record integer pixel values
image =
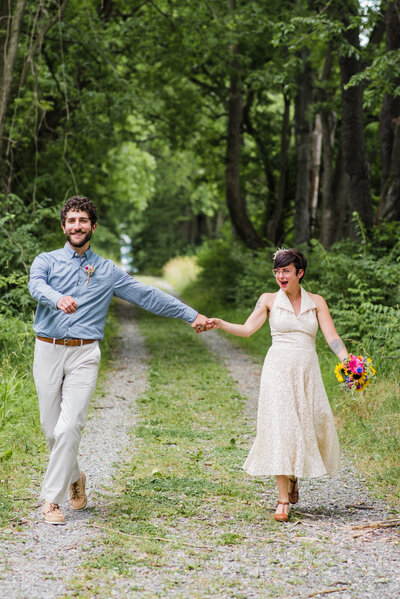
(74, 287)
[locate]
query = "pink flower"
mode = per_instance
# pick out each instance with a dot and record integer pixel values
(355, 365)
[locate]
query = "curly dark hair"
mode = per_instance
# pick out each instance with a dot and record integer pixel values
(292, 256)
(82, 204)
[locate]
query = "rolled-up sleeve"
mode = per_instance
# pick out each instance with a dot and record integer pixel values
(38, 286)
(150, 298)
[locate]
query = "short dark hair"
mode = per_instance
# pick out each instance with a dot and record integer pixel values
(291, 256)
(83, 205)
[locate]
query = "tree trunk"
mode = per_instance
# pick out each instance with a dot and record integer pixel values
(273, 225)
(265, 156)
(303, 125)
(316, 148)
(235, 198)
(10, 23)
(331, 217)
(389, 206)
(353, 141)
(341, 198)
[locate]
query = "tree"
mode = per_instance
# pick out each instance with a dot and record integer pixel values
(303, 124)
(235, 197)
(11, 14)
(332, 213)
(389, 125)
(352, 123)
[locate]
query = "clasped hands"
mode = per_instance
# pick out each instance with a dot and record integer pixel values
(202, 323)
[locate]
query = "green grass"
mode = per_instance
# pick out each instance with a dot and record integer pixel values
(21, 443)
(370, 432)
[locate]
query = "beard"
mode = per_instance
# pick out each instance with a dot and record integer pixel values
(81, 243)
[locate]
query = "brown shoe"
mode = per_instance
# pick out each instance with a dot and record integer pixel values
(293, 489)
(282, 516)
(52, 513)
(77, 494)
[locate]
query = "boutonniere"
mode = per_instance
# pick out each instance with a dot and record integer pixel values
(89, 269)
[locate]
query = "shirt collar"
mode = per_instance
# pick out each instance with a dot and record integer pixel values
(71, 253)
(306, 302)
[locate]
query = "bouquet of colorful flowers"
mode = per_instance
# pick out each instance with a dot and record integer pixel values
(355, 373)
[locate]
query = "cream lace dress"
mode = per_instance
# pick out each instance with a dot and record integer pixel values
(296, 433)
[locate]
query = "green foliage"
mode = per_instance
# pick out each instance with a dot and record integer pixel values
(20, 439)
(128, 105)
(175, 219)
(223, 264)
(25, 231)
(16, 346)
(380, 78)
(361, 283)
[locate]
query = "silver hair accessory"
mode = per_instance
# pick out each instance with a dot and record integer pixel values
(278, 251)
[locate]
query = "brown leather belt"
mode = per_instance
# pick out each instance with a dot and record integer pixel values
(69, 342)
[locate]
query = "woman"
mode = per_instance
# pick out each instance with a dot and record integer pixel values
(296, 435)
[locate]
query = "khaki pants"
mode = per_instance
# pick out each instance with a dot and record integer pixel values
(65, 379)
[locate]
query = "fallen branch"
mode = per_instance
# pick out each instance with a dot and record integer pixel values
(327, 591)
(378, 524)
(360, 507)
(127, 534)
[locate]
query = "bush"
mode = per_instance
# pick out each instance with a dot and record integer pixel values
(24, 234)
(362, 288)
(233, 274)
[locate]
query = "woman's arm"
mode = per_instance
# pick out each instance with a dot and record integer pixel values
(328, 328)
(252, 324)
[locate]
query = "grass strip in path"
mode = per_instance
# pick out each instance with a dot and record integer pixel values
(184, 492)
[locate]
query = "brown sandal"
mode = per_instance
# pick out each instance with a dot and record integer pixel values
(293, 490)
(282, 517)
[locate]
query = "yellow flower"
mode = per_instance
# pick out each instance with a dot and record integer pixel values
(339, 368)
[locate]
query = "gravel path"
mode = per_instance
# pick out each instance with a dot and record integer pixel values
(312, 557)
(40, 560)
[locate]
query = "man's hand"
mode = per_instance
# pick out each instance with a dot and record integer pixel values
(200, 323)
(67, 304)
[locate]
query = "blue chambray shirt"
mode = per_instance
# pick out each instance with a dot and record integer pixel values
(61, 272)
